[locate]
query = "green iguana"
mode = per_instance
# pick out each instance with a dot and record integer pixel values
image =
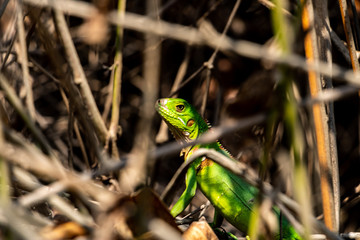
(232, 197)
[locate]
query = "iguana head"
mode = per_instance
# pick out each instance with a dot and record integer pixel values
(183, 120)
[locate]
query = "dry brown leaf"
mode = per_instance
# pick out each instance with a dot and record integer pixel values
(131, 215)
(200, 230)
(95, 30)
(66, 230)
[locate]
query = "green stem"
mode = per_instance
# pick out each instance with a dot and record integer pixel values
(116, 95)
(4, 183)
(283, 34)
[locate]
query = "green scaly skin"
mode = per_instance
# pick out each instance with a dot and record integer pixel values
(231, 196)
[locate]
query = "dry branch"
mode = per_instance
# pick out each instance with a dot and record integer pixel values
(325, 54)
(136, 170)
(18, 106)
(194, 36)
(24, 61)
(349, 35)
(30, 182)
(80, 78)
(320, 118)
(57, 60)
(30, 158)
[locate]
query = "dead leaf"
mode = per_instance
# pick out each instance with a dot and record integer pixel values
(66, 230)
(200, 230)
(95, 30)
(131, 215)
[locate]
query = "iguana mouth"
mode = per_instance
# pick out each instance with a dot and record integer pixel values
(178, 135)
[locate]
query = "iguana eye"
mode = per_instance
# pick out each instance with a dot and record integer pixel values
(190, 123)
(180, 107)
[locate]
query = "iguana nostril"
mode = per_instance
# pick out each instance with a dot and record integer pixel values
(160, 102)
(163, 101)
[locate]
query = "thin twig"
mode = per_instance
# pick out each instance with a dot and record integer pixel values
(349, 35)
(330, 95)
(42, 193)
(210, 63)
(356, 68)
(3, 7)
(29, 157)
(340, 45)
(194, 36)
(136, 170)
(16, 103)
(209, 137)
(9, 51)
(76, 128)
(80, 78)
(43, 70)
(181, 73)
(356, 23)
(186, 81)
(230, 127)
(270, 5)
(24, 61)
(206, 91)
(46, 38)
(19, 221)
(116, 93)
(70, 134)
(162, 133)
(107, 91)
(241, 47)
(66, 102)
(30, 182)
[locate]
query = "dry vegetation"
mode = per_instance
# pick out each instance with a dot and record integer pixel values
(82, 151)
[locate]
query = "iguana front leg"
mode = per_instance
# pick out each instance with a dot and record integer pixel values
(218, 219)
(188, 194)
